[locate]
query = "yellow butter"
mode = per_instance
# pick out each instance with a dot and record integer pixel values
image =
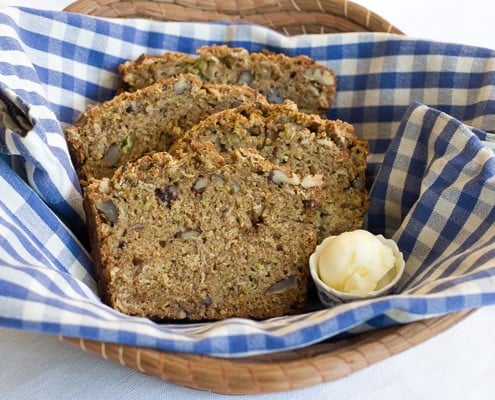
(354, 262)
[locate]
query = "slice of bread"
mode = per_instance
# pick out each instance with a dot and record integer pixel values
(200, 237)
(131, 124)
(315, 148)
(277, 76)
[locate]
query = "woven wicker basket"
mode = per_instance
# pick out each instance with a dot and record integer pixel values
(287, 16)
(291, 369)
(276, 372)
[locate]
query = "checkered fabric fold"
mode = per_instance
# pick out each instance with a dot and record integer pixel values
(426, 108)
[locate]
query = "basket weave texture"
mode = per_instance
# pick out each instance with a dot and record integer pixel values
(276, 372)
(290, 17)
(287, 370)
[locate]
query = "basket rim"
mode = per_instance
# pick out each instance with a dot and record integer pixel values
(276, 372)
(286, 16)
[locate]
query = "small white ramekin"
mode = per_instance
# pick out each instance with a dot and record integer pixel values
(331, 297)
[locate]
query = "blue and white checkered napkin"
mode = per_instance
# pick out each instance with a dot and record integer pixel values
(427, 109)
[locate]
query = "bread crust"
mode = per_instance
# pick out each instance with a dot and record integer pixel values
(129, 125)
(277, 76)
(313, 147)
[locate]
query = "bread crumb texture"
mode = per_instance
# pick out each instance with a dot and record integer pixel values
(318, 150)
(129, 125)
(277, 76)
(210, 182)
(199, 236)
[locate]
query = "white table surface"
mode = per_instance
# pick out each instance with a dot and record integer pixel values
(457, 364)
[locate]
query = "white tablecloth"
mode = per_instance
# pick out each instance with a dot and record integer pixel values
(456, 364)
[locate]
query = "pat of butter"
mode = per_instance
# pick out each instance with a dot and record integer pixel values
(355, 262)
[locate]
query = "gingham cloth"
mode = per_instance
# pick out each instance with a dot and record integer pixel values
(427, 109)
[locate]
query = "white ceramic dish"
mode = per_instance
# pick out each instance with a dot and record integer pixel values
(331, 297)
